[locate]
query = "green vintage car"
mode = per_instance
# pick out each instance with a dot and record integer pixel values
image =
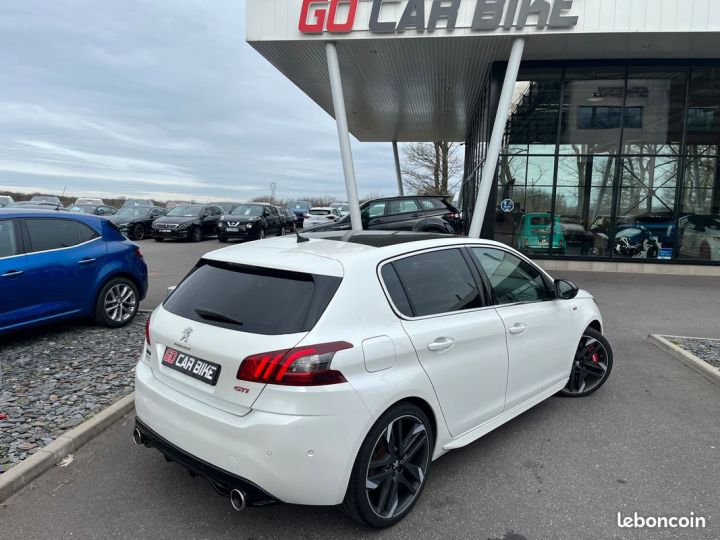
(533, 234)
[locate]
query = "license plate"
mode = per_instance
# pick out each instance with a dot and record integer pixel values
(202, 370)
(232, 229)
(166, 231)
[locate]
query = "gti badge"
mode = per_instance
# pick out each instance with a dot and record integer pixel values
(186, 335)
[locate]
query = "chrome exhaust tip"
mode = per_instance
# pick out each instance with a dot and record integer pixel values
(137, 437)
(237, 499)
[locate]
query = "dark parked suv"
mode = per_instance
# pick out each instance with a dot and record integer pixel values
(252, 221)
(193, 222)
(420, 214)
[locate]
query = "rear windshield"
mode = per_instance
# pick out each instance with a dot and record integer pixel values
(251, 299)
(540, 221)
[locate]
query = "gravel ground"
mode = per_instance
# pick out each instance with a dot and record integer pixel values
(55, 378)
(707, 350)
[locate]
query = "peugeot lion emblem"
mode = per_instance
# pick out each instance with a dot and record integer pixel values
(186, 335)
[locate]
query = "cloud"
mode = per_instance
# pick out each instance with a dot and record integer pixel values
(154, 97)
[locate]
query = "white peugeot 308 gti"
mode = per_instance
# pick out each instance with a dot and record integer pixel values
(335, 369)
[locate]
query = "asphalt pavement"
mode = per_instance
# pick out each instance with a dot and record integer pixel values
(647, 442)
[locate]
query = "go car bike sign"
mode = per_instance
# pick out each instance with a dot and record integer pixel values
(339, 16)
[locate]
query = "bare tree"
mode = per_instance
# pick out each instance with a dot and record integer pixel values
(430, 168)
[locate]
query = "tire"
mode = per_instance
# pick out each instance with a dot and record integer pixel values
(261, 234)
(117, 303)
(222, 239)
(138, 232)
(434, 230)
(283, 232)
(159, 239)
(196, 235)
(591, 360)
(398, 479)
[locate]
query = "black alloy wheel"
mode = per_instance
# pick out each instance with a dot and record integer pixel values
(391, 467)
(196, 234)
(138, 232)
(591, 366)
(261, 234)
(283, 232)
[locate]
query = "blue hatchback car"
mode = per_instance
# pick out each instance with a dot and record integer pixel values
(56, 264)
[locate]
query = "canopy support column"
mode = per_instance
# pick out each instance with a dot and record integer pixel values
(398, 173)
(343, 134)
(496, 139)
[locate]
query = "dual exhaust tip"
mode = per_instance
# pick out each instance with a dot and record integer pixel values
(238, 499)
(137, 437)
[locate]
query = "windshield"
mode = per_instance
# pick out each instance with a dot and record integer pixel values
(132, 211)
(137, 202)
(248, 210)
(299, 205)
(343, 207)
(317, 212)
(82, 209)
(540, 221)
(185, 211)
(44, 199)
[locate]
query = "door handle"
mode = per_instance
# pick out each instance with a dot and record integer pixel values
(441, 344)
(13, 273)
(518, 329)
(88, 260)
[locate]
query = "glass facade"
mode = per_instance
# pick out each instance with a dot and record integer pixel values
(609, 162)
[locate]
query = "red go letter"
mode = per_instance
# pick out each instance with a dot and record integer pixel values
(319, 14)
(316, 27)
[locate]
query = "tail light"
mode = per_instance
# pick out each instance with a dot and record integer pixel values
(301, 366)
(138, 253)
(452, 216)
(147, 331)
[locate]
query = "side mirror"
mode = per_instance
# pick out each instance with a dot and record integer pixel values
(565, 289)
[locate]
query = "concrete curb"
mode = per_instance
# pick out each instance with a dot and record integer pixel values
(28, 470)
(703, 368)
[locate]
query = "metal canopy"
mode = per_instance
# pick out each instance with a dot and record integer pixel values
(425, 89)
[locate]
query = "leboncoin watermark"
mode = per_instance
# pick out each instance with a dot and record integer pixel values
(637, 521)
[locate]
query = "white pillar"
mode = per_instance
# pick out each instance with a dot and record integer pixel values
(493, 151)
(398, 173)
(343, 135)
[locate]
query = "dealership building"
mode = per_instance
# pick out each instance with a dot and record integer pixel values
(591, 128)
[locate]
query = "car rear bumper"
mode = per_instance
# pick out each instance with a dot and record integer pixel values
(223, 482)
(297, 458)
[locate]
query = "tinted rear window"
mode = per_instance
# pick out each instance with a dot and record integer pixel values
(258, 300)
(436, 282)
(432, 204)
(49, 234)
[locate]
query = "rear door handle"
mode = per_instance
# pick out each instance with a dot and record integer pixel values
(88, 260)
(441, 344)
(13, 273)
(518, 329)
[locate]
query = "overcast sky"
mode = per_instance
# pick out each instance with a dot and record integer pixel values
(159, 98)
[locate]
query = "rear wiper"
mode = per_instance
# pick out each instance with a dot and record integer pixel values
(215, 316)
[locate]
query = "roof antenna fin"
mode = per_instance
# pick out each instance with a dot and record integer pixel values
(301, 239)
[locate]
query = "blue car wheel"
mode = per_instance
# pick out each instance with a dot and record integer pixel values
(117, 304)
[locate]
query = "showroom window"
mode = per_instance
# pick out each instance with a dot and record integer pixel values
(615, 158)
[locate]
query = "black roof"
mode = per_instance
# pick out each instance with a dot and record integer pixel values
(376, 239)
